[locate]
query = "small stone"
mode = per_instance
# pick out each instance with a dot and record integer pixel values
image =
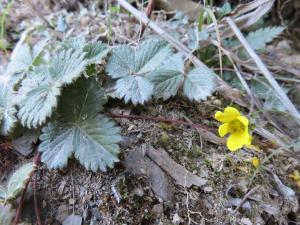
(157, 210)
(246, 221)
(177, 219)
(208, 189)
(139, 192)
(44, 204)
(71, 201)
(62, 213)
(61, 187)
(73, 220)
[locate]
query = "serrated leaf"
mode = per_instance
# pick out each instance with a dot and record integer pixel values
(7, 110)
(259, 38)
(132, 66)
(266, 93)
(121, 63)
(168, 78)
(134, 88)
(150, 54)
(199, 84)
(16, 182)
(23, 58)
(7, 214)
(90, 137)
(42, 86)
(94, 52)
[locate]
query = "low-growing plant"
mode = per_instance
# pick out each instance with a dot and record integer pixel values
(53, 90)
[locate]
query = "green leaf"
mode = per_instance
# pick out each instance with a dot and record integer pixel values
(7, 110)
(134, 88)
(199, 83)
(23, 58)
(16, 182)
(94, 52)
(7, 214)
(168, 78)
(90, 137)
(42, 86)
(266, 93)
(259, 38)
(225, 9)
(133, 66)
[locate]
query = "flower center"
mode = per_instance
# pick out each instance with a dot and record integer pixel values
(236, 126)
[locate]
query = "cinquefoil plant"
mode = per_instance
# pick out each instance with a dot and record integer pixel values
(55, 94)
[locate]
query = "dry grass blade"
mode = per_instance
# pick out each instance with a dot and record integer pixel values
(283, 97)
(244, 16)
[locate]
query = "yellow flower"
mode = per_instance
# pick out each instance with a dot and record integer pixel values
(296, 177)
(255, 162)
(235, 124)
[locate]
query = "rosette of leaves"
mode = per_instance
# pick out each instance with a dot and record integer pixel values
(198, 84)
(16, 183)
(7, 110)
(42, 86)
(130, 67)
(91, 137)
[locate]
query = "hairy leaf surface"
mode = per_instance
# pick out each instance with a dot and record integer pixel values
(168, 77)
(7, 214)
(132, 66)
(92, 138)
(134, 88)
(199, 84)
(94, 52)
(259, 38)
(16, 182)
(7, 110)
(42, 86)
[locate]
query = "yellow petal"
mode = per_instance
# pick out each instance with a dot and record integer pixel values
(243, 120)
(230, 113)
(237, 140)
(255, 162)
(295, 175)
(223, 129)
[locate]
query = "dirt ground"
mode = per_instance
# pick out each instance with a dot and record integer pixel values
(119, 196)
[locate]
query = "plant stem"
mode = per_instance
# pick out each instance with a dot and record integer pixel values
(36, 161)
(204, 131)
(36, 206)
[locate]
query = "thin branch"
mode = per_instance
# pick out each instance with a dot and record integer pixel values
(283, 97)
(149, 10)
(251, 192)
(203, 130)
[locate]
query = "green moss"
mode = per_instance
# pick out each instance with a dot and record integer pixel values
(164, 140)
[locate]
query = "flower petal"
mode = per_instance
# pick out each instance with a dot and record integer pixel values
(238, 139)
(223, 129)
(243, 120)
(230, 113)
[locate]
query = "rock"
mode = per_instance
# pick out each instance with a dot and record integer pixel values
(177, 219)
(157, 211)
(246, 221)
(73, 220)
(62, 213)
(61, 188)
